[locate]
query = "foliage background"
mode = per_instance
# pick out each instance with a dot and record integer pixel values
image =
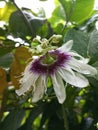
(73, 20)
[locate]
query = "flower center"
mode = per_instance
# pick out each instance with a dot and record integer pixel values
(50, 62)
(48, 59)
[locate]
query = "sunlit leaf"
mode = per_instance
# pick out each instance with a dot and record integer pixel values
(57, 18)
(83, 9)
(68, 6)
(6, 11)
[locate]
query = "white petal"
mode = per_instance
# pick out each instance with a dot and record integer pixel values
(82, 59)
(59, 88)
(40, 88)
(26, 83)
(26, 71)
(73, 78)
(67, 46)
(81, 67)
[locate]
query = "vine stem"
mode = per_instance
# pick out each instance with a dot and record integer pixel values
(25, 19)
(66, 125)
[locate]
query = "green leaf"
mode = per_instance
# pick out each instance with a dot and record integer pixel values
(94, 87)
(6, 60)
(68, 6)
(35, 112)
(2, 32)
(50, 117)
(13, 120)
(6, 46)
(87, 122)
(48, 112)
(24, 23)
(55, 123)
(96, 66)
(93, 45)
(58, 19)
(17, 25)
(83, 9)
(6, 11)
(80, 40)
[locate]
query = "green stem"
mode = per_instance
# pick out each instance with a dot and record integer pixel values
(65, 117)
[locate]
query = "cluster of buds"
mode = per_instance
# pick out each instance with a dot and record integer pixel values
(44, 45)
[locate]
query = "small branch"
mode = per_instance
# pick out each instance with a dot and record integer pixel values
(65, 117)
(64, 28)
(26, 20)
(68, 15)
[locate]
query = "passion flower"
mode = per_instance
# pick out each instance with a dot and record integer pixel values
(60, 65)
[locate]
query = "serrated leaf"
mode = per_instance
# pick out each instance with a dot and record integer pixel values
(80, 40)
(13, 120)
